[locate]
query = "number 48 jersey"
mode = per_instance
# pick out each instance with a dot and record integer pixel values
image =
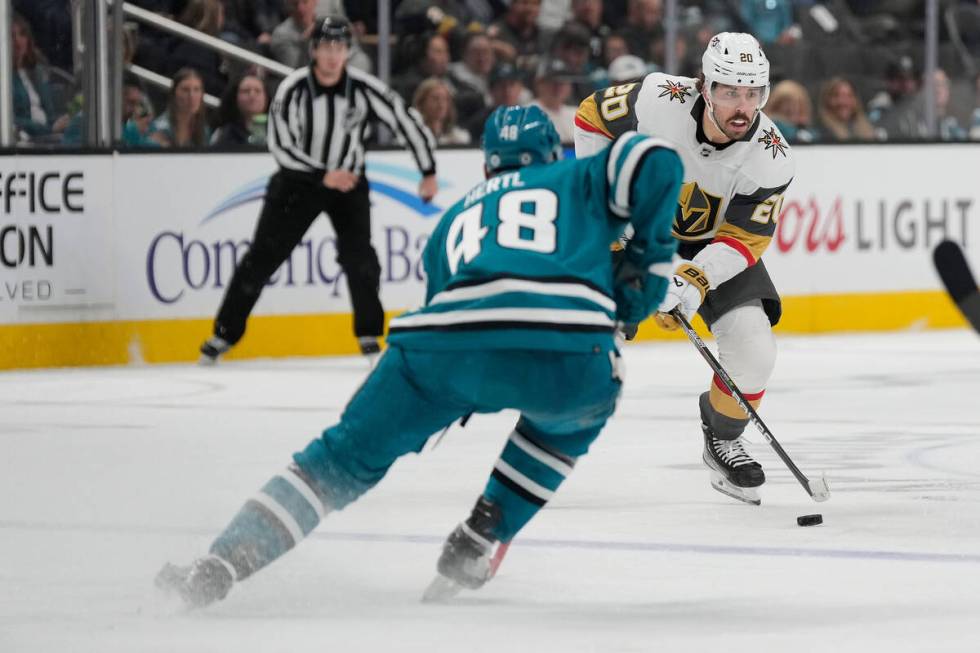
(522, 261)
(732, 193)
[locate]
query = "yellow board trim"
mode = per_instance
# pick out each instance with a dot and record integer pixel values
(174, 341)
(807, 314)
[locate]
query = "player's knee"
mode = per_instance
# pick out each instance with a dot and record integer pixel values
(746, 346)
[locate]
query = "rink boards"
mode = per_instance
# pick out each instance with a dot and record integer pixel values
(111, 259)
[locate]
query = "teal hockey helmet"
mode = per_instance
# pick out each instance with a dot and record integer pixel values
(514, 137)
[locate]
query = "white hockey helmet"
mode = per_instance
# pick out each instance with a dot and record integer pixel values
(736, 59)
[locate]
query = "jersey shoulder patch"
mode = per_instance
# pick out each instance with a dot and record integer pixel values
(771, 162)
(668, 88)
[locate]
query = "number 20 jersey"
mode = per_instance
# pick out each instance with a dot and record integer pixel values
(732, 193)
(522, 261)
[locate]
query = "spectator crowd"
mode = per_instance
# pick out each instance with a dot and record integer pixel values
(843, 70)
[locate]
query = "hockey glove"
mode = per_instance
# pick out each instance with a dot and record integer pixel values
(637, 291)
(686, 291)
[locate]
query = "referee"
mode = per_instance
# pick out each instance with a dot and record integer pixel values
(317, 125)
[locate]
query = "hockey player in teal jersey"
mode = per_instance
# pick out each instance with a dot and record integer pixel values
(520, 311)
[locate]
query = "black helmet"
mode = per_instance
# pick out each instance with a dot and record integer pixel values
(330, 28)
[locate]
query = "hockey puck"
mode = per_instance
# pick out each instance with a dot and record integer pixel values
(809, 520)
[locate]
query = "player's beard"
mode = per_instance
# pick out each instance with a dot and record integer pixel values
(733, 132)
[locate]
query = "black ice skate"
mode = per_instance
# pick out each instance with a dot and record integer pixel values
(733, 471)
(467, 560)
(212, 349)
(203, 582)
(370, 348)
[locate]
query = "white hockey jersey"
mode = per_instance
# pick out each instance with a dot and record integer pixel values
(732, 193)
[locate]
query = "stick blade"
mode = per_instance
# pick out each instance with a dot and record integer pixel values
(819, 490)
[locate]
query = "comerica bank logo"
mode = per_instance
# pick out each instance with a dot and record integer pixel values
(382, 179)
(178, 262)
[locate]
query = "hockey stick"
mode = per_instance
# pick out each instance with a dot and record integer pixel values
(816, 488)
(960, 283)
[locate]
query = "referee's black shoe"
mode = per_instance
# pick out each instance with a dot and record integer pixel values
(212, 348)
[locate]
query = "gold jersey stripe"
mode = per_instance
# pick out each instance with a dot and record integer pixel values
(588, 113)
(753, 242)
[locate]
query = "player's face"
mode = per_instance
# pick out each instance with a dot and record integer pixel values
(330, 57)
(735, 107)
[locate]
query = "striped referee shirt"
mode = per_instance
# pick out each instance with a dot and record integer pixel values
(313, 128)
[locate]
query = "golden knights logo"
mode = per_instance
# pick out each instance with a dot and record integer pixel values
(697, 212)
(675, 90)
(773, 141)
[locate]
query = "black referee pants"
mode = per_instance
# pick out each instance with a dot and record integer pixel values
(291, 206)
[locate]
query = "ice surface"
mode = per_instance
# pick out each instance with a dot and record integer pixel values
(107, 473)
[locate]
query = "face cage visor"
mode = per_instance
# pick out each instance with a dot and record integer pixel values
(751, 99)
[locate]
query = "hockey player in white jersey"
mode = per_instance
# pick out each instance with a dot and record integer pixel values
(737, 167)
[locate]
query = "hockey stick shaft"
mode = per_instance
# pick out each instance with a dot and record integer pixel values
(740, 399)
(954, 270)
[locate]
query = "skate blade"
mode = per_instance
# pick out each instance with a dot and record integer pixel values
(744, 494)
(440, 590)
(207, 361)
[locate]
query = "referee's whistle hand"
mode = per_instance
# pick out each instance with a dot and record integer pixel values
(342, 180)
(428, 188)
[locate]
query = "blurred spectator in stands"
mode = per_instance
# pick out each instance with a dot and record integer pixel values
(552, 90)
(35, 115)
(516, 36)
(901, 86)
(588, 15)
(911, 122)
(554, 14)
(55, 40)
(471, 75)
(614, 47)
(450, 19)
(628, 68)
(256, 18)
(770, 21)
(435, 104)
(571, 46)
(138, 127)
(184, 123)
(435, 63)
(644, 25)
(207, 16)
(506, 89)
(841, 116)
(975, 122)
(290, 41)
(789, 106)
(242, 118)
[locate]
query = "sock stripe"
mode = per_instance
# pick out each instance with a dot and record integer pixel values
(539, 454)
(281, 514)
(539, 491)
(306, 491)
(495, 475)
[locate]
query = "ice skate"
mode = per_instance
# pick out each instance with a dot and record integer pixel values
(467, 560)
(733, 471)
(199, 584)
(212, 349)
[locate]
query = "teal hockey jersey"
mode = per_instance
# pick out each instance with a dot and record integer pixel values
(523, 260)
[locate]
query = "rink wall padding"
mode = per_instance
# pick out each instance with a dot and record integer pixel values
(115, 259)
